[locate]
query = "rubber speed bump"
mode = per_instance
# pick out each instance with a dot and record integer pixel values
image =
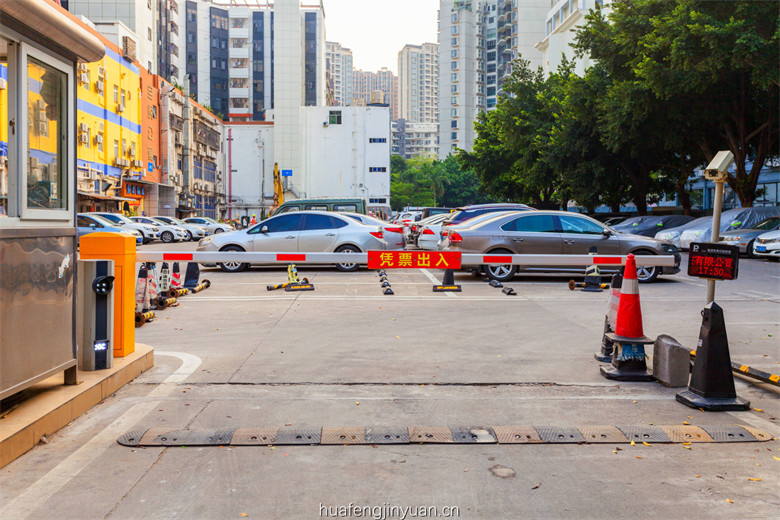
(589, 434)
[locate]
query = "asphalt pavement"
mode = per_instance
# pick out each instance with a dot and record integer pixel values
(236, 355)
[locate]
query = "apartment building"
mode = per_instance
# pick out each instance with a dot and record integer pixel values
(478, 41)
(561, 23)
(340, 68)
(418, 83)
(410, 139)
(364, 83)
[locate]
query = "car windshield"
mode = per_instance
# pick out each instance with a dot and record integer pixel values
(210, 220)
(101, 220)
(120, 218)
(769, 224)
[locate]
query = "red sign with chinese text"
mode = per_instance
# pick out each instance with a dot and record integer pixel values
(413, 259)
(713, 261)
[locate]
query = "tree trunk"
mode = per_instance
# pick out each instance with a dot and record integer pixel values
(683, 196)
(614, 207)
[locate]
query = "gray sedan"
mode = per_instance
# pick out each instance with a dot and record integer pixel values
(211, 225)
(301, 231)
(744, 238)
(194, 231)
(554, 233)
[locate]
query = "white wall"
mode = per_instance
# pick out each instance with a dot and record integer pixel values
(337, 158)
(253, 159)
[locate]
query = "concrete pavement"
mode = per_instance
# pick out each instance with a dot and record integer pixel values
(346, 355)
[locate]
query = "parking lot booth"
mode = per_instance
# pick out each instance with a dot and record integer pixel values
(40, 44)
(120, 248)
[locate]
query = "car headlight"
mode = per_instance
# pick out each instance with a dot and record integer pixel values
(204, 241)
(149, 228)
(729, 239)
(670, 249)
(773, 241)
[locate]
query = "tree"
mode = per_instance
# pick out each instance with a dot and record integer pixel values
(397, 164)
(713, 68)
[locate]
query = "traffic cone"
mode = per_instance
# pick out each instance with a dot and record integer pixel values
(605, 355)
(628, 353)
(151, 283)
(140, 289)
(192, 275)
(175, 277)
(164, 280)
(712, 384)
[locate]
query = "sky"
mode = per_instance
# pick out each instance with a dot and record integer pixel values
(376, 30)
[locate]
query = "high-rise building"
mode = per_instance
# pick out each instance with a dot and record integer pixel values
(364, 83)
(478, 41)
(228, 51)
(339, 62)
(418, 83)
(414, 139)
(563, 19)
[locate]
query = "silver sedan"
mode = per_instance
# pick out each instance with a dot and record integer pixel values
(301, 231)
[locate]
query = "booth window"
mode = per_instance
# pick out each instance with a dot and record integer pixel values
(47, 186)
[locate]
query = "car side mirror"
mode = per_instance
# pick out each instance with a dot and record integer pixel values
(264, 229)
(93, 226)
(607, 233)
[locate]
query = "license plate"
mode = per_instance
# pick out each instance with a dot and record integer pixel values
(761, 249)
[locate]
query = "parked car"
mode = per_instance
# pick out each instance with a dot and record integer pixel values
(467, 223)
(673, 235)
(350, 205)
(168, 233)
(611, 221)
(425, 234)
(744, 238)
(731, 220)
(429, 212)
(393, 234)
(150, 232)
(304, 231)
(195, 231)
(211, 225)
(767, 245)
(551, 233)
(649, 225)
(468, 212)
(87, 223)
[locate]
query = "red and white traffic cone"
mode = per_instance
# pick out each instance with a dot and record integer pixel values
(628, 355)
(610, 320)
(141, 300)
(175, 276)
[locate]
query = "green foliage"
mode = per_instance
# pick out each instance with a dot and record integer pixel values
(428, 182)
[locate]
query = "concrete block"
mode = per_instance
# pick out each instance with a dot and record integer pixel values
(671, 362)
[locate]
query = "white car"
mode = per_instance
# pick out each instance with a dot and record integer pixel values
(211, 225)
(768, 246)
(149, 231)
(428, 232)
(168, 233)
(393, 233)
(196, 232)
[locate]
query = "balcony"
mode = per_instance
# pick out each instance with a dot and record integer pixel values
(239, 92)
(239, 72)
(239, 52)
(239, 32)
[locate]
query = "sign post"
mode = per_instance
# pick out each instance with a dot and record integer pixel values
(717, 171)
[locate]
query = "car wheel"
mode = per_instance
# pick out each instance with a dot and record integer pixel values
(146, 240)
(750, 252)
(218, 230)
(189, 236)
(233, 267)
(500, 273)
(347, 267)
(167, 237)
(646, 273)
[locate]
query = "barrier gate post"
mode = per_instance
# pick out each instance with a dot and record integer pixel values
(121, 249)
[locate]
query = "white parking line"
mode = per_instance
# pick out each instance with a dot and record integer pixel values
(44, 488)
(434, 281)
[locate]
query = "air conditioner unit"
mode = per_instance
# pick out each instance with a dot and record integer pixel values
(101, 72)
(99, 139)
(83, 138)
(120, 107)
(82, 67)
(99, 86)
(92, 175)
(82, 127)
(43, 127)
(121, 161)
(132, 151)
(138, 163)
(40, 105)
(33, 162)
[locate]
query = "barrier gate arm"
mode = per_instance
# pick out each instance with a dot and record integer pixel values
(469, 259)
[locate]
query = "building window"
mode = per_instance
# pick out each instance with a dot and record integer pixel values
(377, 140)
(149, 33)
(454, 53)
(491, 56)
(116, 94)
(453, 124)
(454, 42)
(454, 135)
(454, 29)
(377, 169)
(454, 88)
(116, 148)
(334, 117)
(454, 112)
(454, 18)
(453, 77)
(454, 65)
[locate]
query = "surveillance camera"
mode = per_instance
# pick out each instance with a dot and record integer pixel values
(102, 285)
(719, 166)
(325, 123)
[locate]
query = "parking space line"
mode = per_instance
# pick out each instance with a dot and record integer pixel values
(434, 281)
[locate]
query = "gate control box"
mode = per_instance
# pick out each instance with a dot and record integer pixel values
(95, 314)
